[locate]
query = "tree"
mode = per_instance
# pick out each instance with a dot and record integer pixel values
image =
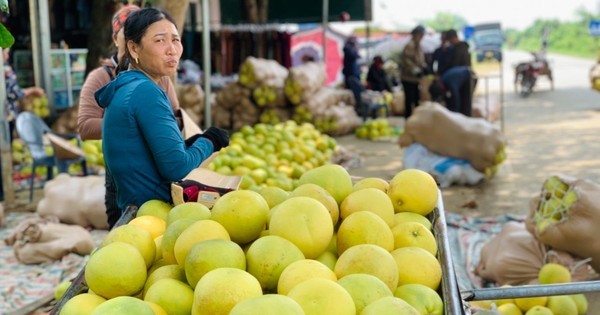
(445, 21)
(99, 42)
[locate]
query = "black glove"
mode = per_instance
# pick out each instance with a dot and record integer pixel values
(219, 137)
(189, 141)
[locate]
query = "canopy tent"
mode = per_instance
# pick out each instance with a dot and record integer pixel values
(393, 46)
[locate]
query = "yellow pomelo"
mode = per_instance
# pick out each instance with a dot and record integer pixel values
(328, 259)
(364, 227)
(170, 237)
(581, 302)
(221, 289)
(82, 304)
(268, 256)
(60, 289)
(174, 296)
(369, 199)
(483, 305)
(320, 296)
(509, 309)
(369, 259)
(305, 222)
(157, 208)
(390, 305)
(243, 213)
(273, 195)
(402, 217)
(371, 182)
(364, 289)
(423, 298)
(416, 265)
(156, 308)
(154, 225)
(525, 304)
(157, 264)
(539, 310)
(124, 305)
(320, 194)
(554, 273)
(116, 269)
(197, 232)
(413, 190)
(333, 177)
(268, 304)
(212, 254)
(188, 210)
(415, 234)
(169, 271)
(562, 305)
(158, 244)
(134, 235)
(300, 271)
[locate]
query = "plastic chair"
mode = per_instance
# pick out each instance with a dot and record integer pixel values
(31, 130)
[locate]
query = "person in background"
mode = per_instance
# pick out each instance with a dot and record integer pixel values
(14, 93)
(376, 77)
(89, 119)
(351, 72)
(458, 78)
(413, 67)
(143, 147)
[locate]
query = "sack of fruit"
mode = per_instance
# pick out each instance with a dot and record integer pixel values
(37, 240)
(566, 216)
(515, 257)
(455, 135)
(75, 200)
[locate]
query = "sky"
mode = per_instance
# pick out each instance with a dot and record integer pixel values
(517, 14)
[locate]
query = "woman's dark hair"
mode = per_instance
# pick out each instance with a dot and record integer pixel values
(136, 26)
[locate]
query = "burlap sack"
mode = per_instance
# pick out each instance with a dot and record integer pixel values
(397, 104)
(75, 200)
(489, 109)
(454, 135)
(39, 240)
(577, 232)
(515, 257)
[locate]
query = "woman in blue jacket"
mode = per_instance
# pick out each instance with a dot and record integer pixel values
(143, 147)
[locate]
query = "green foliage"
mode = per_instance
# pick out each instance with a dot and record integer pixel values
(6, 38)
(445, 21)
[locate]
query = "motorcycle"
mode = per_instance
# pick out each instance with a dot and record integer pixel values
(527, 74)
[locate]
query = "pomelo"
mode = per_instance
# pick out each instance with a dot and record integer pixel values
(170, 237)
(364, 289)
(300, 271)
(154, 225)
(364, 227)
(561, 304)
(273, 195)
(188, 210)
(320, 194)
(195, 233)
(136, 236)
(175, 297)
(212, 254)
(423, 298)
(60, 289)
(416, 265)
(370, 259)
(526, 304)
(169, 271)
(552, 273)
(123, 305)
(509, 309)
(221, 289)
(320, 296)
(581, 302)
(369, 199)
(157, 208)
(158, 245)
(539, 310)
(243, 213)
(116, 269)
(156, 308)
(333, 177)
(268, 256)
(371, 182)
(401, 217)
(268, 304)
(328, 259)
(305, 222)
(413, 190)
(82, 304)
(415, 234)
(389, 305)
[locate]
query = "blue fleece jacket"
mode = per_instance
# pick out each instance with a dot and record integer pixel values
(143, 147)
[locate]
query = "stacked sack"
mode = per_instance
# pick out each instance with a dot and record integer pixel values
(457, 136)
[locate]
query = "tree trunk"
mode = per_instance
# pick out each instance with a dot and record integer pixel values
(176, 8)
(251, 11)
(99, 43)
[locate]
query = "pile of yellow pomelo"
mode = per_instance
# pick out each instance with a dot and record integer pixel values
(557, 199)
(330, 246)
(550, 273)
(374, 128)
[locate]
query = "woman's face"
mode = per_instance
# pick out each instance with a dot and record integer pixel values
(159, 51)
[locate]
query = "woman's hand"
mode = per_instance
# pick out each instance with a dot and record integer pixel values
(34, 91)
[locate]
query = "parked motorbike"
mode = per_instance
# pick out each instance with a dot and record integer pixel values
(527, 74)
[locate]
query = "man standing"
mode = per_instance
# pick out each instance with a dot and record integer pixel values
(413, 68)
(458, 77)
(351, 72)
